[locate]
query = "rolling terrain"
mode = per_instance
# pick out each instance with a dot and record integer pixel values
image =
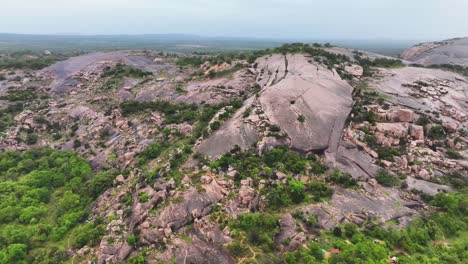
(297, 154)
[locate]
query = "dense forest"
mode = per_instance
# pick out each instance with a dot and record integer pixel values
(45, 199)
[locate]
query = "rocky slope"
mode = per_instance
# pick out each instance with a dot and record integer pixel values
(452, 51)
(396, 136)
(301, 104)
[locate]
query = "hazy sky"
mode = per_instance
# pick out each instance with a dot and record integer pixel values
(395, 19)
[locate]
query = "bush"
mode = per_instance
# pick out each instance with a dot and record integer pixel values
(387, 153)
(259, 229)
(317, 168)
(284, 195)
(152, 152)
(132, 241)
(453, 154)
(436, 132)
(215, 125)
(343, 179)
(301, 118)
(31, 139)
(386, 179)
(143, 197)
(319, 191)
(76, 143)
(88, 234)
(238, 249)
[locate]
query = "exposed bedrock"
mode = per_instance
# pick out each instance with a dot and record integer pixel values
(301, 104)
(453, 51)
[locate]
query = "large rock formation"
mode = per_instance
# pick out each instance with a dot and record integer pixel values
(453, 51)
(66, 76)
(426, 90)
(302, 104)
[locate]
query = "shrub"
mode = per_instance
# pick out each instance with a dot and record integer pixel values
(143, 197)
(259, 228)
(320, 191)
(386, 179)
(215, 125)
(343, 179)
(238, 249)
(31, 139)
(436, 132)
(301, 118)
(247, 112)
(317, 168)
(275, 128)
(132, 240)
(76, 143)
(386, 153)
(453, 154)
(312, 221)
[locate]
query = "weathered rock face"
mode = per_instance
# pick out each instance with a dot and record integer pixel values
(374, 202)
(195, 251)
(218, 90)
(67, 75)
(427, 91)
(302, 104)
(454, 51)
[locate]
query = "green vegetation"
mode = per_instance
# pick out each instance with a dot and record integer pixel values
(301, 118)
(19, 100)
(295, 192)
(386, 179)
(463, 70)
(364, 96)
(453, 154)
(7, 115)
(251, 165)
(217, 74)
(283, 160)
(45, 197)
(20, 95)
(117, 74)
(191, 61)
(258, 230)
(179, 113)
(369, 65)
(143, 197)
(173, 147)
(29, 60)
(343, 179)
(436, 237)
(215, 125)
(122, 70)
(436, 132)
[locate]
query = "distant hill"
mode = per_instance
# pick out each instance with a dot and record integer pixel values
(453, 51)
(180, 42)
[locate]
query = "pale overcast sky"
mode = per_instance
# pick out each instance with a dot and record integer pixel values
(393, 19)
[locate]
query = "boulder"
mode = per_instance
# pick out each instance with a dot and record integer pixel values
(404, 115)
(246, 195)
(417, 132)
(424, 174)
(397, 130)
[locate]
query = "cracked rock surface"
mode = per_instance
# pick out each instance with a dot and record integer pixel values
(306, 101)
(453, 51)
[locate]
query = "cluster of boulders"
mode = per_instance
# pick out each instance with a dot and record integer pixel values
(214, 91)
(396, 127)
(434, 88)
